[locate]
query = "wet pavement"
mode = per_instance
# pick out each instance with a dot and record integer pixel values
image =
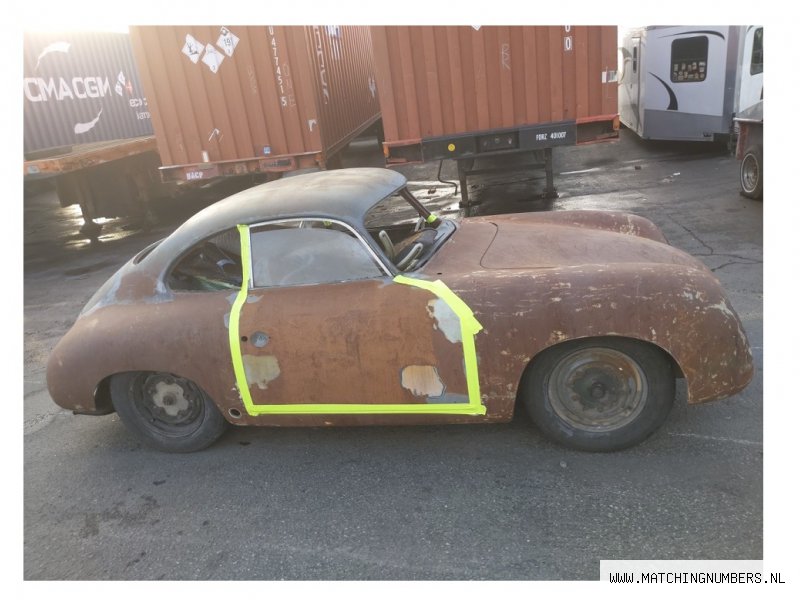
(482, 502)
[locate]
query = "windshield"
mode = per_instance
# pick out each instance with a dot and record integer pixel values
(408, 233)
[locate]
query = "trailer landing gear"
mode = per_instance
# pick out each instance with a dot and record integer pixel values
(542, 159)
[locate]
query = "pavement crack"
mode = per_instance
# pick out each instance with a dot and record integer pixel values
(694, 235)
(711, 252)
(733, 262)
(713, 438)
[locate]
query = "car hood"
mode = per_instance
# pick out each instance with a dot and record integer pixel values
(547, 240)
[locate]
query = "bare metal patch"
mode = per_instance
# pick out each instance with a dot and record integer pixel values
(447, 321)
(422, 380)
(260, 370)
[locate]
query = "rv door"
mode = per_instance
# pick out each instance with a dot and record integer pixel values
(631, 106)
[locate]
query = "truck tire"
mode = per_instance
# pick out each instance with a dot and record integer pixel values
(751, 173)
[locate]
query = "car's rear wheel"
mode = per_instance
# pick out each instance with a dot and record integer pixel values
(168, 412)
(599, 394)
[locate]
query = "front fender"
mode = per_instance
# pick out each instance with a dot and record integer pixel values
(681, 309)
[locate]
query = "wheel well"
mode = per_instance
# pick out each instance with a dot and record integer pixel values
(102, 395)
(676, 369)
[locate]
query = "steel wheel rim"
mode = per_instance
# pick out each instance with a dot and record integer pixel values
(597, 389)
(750, 173)
(168, 405)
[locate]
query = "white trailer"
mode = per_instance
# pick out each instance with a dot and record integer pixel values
(687, 83)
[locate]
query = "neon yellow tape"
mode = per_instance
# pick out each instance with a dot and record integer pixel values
(233, 321)
(469, 327)
(431, 218)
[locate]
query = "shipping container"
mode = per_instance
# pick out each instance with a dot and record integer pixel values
(80, 88)
(467, 92)
(87, 127)
(236, 100)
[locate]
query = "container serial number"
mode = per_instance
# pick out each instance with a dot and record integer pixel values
(555, 135)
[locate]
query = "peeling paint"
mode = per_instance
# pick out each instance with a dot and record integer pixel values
(260, 370)
(250, 299)
(422, 380)
(446, 320)
(452, 399)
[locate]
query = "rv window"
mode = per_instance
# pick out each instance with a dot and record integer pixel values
(689, 59)
(757, 59)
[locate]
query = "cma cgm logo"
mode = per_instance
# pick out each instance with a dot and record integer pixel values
(39, 89)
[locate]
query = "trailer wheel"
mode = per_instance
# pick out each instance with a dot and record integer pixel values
(751, 173)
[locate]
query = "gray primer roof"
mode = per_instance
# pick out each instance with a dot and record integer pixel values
(343, 194)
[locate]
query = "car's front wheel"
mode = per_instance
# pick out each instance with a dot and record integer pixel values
(599, 394)
(168, 412)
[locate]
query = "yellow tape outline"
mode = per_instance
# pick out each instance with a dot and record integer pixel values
(469, 327)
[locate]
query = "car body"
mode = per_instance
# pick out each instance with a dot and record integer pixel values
(283, 305)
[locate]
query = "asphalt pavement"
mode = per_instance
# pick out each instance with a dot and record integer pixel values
(449, 502)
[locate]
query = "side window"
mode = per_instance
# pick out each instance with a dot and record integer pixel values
(306, 252)
(214, 264)
(757, 58)
(635, 57)
(689, 59)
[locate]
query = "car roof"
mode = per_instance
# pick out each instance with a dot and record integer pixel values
(342, 194)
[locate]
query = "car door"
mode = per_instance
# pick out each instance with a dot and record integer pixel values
(325, 327)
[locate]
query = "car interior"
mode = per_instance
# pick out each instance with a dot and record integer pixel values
(407, 239)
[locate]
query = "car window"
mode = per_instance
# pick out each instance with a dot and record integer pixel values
(407, 239)
(213, 264)
(307, 252)
(757, 57)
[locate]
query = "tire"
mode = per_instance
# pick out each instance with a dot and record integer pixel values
(751, 173)
(599, 394)
(170, 413)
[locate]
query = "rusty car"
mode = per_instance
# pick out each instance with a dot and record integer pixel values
(337, 298)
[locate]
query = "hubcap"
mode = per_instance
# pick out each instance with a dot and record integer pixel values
(749, 173)
(169, 405)
(597, 389)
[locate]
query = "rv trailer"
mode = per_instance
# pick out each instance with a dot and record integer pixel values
(686, 83)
